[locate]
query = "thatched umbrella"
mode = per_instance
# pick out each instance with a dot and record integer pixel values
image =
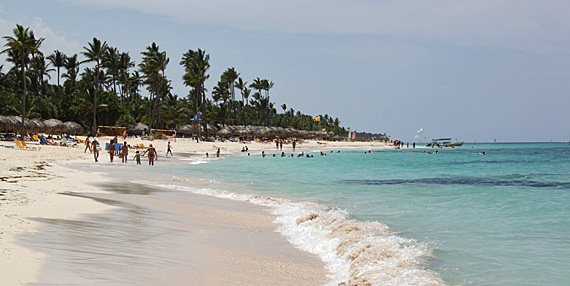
(13, 123)
(225, 131)
(213, 128)
(6, 124)
(73, 128)
(40, 126)
(31, 125)
(185, 129)
(54, 126)
(138, 130)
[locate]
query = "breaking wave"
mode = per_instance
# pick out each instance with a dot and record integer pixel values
(354, 252)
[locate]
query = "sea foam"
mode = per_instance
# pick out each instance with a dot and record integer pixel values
(354, 252)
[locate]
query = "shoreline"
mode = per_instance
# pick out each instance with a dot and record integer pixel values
(26, 195)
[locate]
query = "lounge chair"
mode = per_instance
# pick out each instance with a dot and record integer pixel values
(22, 145)
(32, 148)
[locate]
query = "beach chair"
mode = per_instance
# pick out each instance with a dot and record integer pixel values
(31, 148)
(35, 137)
(22, 145)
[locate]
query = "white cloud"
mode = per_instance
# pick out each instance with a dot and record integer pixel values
(537, 26)
(53, 41)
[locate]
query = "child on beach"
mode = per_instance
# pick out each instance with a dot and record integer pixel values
(138, 158)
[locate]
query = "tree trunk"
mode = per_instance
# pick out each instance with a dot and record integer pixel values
(95, 101)
(24, 95)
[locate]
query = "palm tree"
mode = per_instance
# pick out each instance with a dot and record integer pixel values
(110, 61)
(230, 76)
(242, 86)
(267, 85)
(153, 63)
(196, 65)
(72, 68)
(57, 59)
(94, 53)
(37, 70)
(124, 64)
(257, 84)
(24, 43)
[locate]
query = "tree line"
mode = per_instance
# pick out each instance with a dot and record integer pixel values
(109, 91)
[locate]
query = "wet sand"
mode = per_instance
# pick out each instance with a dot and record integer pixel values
(163, 237)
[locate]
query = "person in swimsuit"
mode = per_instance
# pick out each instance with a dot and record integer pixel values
(111, 150)
(151, 154)
(138, 158)
(87, 145)
(125, 152)
(96, 147)
(168, 149)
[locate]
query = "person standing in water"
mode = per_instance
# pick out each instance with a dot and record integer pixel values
(111, 150)
(125, 152)
(96, 147)
(151, 154)
(168, 149)
(138, 158)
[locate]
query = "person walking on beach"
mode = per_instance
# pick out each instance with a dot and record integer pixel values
(281, 145)
(218, 153)
(125, 152)
(151, 154)
(111, 150)
(96, 147)
(168, 149)
(87, 145)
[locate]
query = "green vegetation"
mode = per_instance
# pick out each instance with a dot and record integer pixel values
(108, 91)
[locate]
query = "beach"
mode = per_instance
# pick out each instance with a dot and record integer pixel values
(41, 189)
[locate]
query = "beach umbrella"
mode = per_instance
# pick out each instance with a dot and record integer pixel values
(138, 129)
(6, 124)
(225, 131)
(185, 129)
(40, 125)
(54, 126)
(13, 122)
(73, 128)
(141, 126)
(31, 125)
(213, 128)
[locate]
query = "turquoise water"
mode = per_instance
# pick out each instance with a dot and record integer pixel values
(404, 217)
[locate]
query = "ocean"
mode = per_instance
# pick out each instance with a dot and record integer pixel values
(404, 217)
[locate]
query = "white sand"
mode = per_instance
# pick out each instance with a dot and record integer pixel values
(32, 182)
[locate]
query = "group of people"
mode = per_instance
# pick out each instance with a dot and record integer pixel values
(123, 150)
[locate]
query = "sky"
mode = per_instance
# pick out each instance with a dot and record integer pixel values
(474, 71)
